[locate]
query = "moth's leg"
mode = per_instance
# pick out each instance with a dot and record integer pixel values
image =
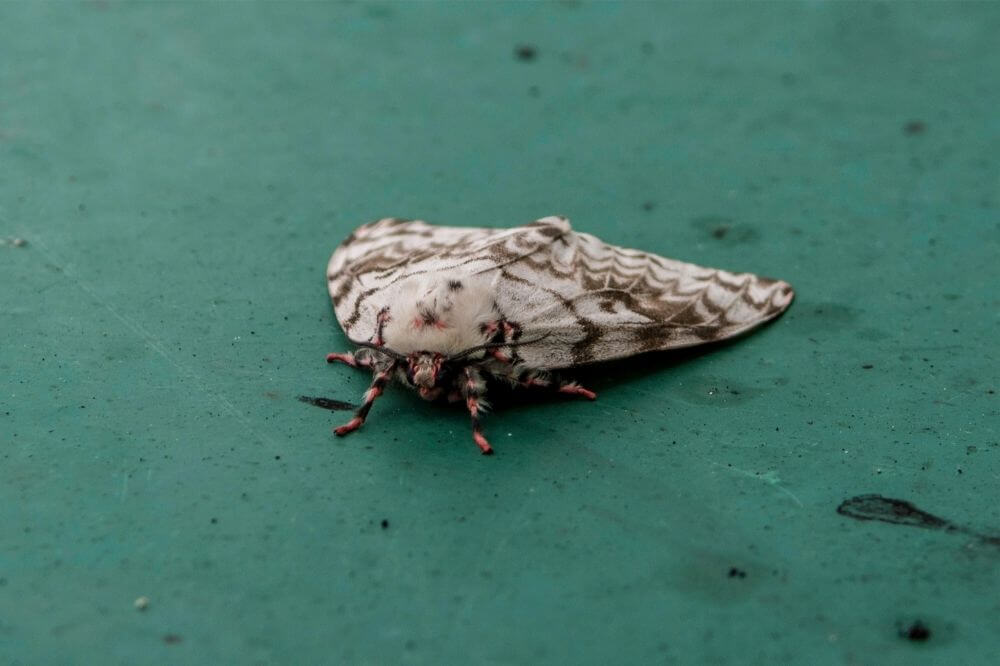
(499, 331)
(362, 358)
(542, 379)
(473, 388)
(572, 388)
(375, 390)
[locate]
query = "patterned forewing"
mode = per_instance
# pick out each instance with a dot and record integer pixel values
(593, 301)
(576, 298)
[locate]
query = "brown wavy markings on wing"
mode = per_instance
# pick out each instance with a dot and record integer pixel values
(592, 332)
(349, 323)
(343, 288)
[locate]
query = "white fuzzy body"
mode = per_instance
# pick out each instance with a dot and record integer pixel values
(442, 313)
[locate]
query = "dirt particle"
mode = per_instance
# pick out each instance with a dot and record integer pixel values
(867, 366)
(525, 52)
(172, 639)
(913, 127)
(385, 524)
(735, 572)
(917, 632)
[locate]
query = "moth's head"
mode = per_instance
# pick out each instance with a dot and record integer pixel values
(424, 371)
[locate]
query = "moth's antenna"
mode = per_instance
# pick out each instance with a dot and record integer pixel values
(495, 345)
(382, 350)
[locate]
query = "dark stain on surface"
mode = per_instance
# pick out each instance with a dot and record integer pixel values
(867, 366)
(726, 229)
(901, 512)
(917, 632)
(172, 639)
(525, 52)
(326, 403)
(735, 572)
(889, 510)
(914, 127)
(824, 317)
(385, 524)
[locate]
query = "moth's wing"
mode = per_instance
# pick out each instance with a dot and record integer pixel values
(589, 301)
(371, 266)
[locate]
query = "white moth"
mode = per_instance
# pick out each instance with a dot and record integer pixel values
(442, 309)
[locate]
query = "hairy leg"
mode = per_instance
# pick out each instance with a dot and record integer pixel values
(541, 379)
(362, 358)
(375, 390)
(473, 388)
(499, 331)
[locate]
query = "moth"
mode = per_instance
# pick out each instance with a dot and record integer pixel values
(443, 309)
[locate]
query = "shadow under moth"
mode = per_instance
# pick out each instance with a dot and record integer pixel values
(443, 309)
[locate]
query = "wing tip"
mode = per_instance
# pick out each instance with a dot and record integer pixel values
(783, 296)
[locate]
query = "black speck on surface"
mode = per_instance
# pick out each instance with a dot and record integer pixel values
(525, 52)
(867, 366)
(385, 524)
(326, 403)
(648, 205)
(914, 127)
(172, 639)
(735, 572)
(917, 632)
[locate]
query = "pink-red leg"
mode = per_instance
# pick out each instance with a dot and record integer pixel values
(573, 388)
(362, 358)
(538, 380)
(348, 359)
(473, 388)
(374, 391)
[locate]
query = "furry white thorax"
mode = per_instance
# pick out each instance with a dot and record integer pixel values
(442, 314)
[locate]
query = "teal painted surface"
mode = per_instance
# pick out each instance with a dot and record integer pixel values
(181, 173)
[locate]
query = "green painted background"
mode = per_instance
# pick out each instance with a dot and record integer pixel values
(181, 173)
